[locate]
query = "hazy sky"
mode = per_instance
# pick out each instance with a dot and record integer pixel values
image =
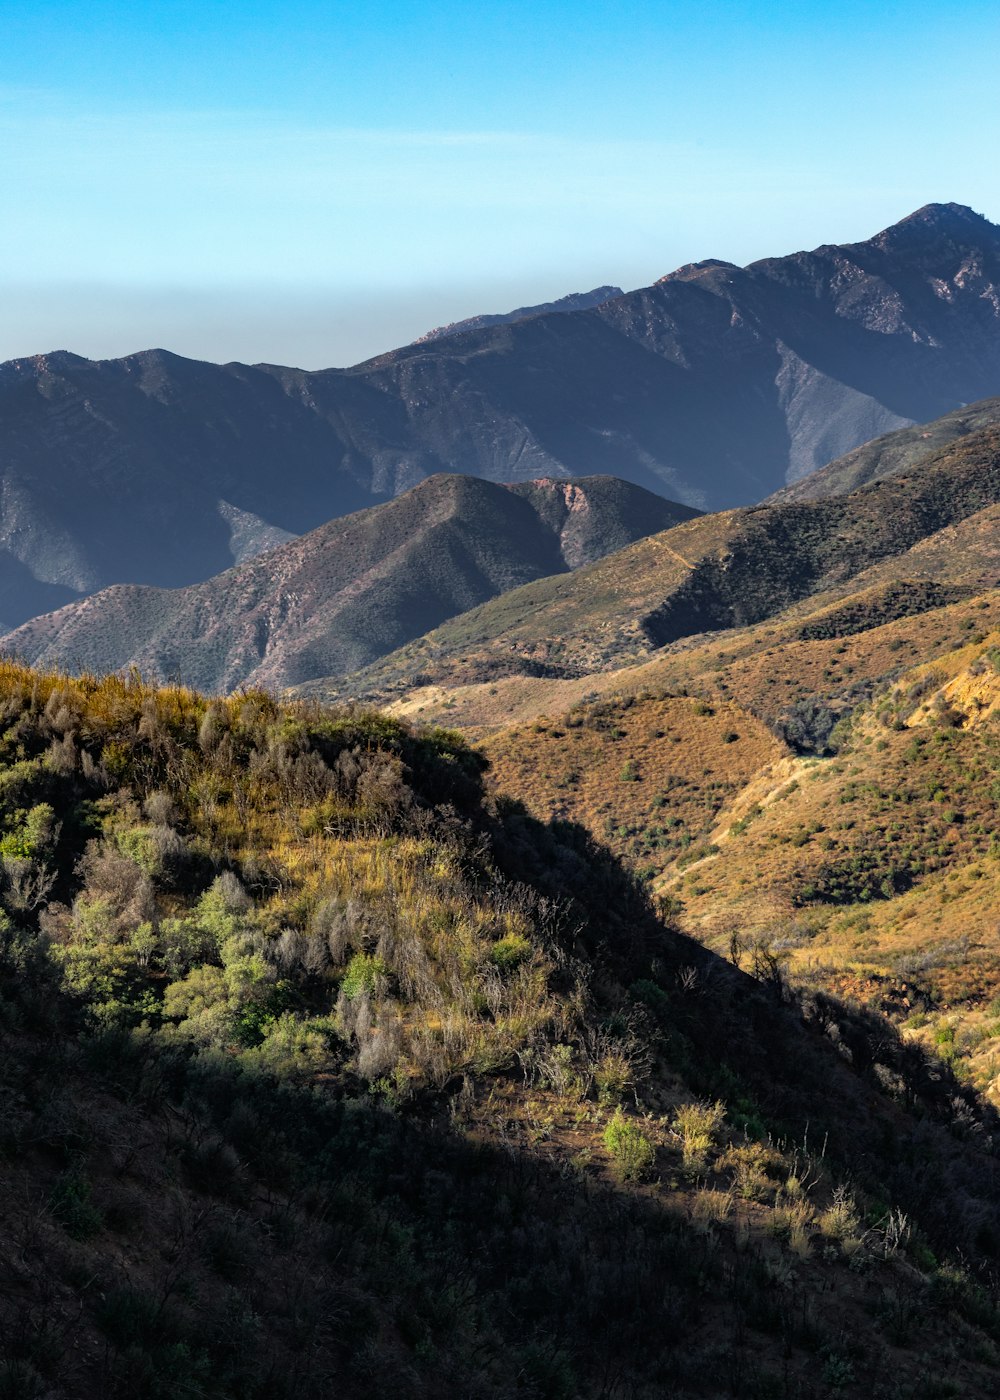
(311, 183)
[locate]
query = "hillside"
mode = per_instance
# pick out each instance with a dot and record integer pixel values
(867, 870)
(343, 595)
(714, 387)
(325, 1073)
(933, 524)
(882, 858)
(890, 454)
(819, 787)
(648, 775)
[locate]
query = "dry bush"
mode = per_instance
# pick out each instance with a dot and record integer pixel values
(841, 1220)
(117, 887)
(699, 1126)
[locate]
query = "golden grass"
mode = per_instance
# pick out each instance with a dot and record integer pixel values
(759, 824)
(764, 668)
(648, 777)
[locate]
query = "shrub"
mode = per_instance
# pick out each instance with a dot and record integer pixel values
(840, 1220)
(71, 1205)
(632, 1154)
(510, 951)
(37, 831)
(613, 1077)
(699, 1125)
(364, 973)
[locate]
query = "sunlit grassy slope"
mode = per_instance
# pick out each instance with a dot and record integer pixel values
(871, 872)
(648, 776)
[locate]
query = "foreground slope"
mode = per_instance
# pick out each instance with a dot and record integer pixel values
(715, 387)
(356, 588)
(322, 1073)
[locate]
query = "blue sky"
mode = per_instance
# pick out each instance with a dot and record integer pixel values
(312, 183)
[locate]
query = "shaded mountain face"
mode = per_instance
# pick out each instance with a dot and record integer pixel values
(576, 301)
(714, 387)
(720, 384)
(152, 468)
(347, 593)
(891, 454)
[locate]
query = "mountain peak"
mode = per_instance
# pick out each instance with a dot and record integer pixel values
(690, 272)
(933, 221)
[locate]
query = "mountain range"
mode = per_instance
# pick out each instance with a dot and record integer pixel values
(576, 301)
(460, 580)
(341, 596)
(714, 387)
(932, 525)
(613, 1011)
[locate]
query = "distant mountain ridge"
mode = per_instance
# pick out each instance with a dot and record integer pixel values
(715, 387)
(575, 301)
(343, 595)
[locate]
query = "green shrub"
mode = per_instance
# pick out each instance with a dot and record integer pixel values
(364, 972)
(34, 834)
(71, 1205)
(632, 1154)
(510, 951)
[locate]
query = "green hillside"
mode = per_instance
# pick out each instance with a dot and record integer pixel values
(326, 1072)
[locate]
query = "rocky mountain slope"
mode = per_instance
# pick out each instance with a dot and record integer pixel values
(715, 387)
(890, 454)
(345, 594)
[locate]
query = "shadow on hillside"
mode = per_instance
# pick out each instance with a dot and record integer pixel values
(286, 1241)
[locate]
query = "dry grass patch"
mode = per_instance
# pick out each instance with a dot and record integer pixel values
(647, 777)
